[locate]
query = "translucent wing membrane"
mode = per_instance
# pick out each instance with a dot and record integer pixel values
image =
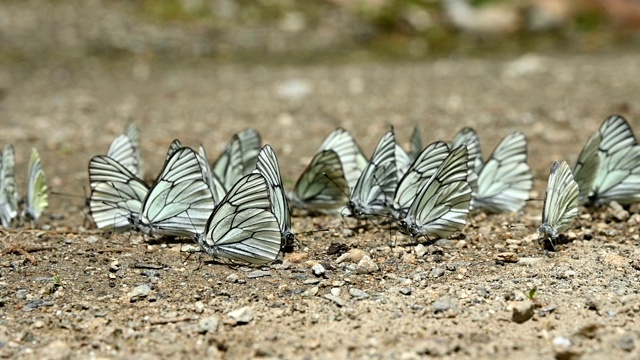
(416, 143)
(215, 185)
(505, 181)
(37, 198)
(350, 155)
(238, 158)
(469, 138)
(586, 167)
(560, 203)
(442, 204)
(242, 227)
(125, 149)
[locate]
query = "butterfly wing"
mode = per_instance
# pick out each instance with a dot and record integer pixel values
(238, 158)
(560, 203)
(180, 201)
(217, 189)
(9, 198)
(242, 227)
(505, 180)
(618, 177)
(374, 190)
(420, 171)
(269, 168)
(403, 161)
(442, 205)
(322, 186)
(469, 138)
(173, 147)
(416, 143)
(37, 196)
(350, 155)
(116, 194)
(123, 150)
(586, 167)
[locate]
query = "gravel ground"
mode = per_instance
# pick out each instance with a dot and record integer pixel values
(84, 294)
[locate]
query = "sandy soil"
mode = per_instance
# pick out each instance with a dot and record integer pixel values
(71, 298)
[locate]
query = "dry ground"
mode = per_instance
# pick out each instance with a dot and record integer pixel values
(70, 297)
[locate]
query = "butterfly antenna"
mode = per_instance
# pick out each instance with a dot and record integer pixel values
(336, 184)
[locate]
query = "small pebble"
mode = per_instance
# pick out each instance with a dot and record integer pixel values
(339, 301)
(508, 257)
(311, 292)
(258, 274)
(436, 273)
(38, 324)
(208, 324)
(366, 265)
(442, 304)
(405, 291)
(318, 270)
(522, 311)
(357, 293)
(335, 291)
(232, 278)
(199, 306)
(139, 292)
(244, 315)
(420, 250)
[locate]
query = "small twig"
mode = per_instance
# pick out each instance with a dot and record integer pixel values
(172, 320)
(148, 266)
(20, 250)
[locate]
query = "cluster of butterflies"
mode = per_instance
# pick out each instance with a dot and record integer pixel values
(236, 207)
(14, 209)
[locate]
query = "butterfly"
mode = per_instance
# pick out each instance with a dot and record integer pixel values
(350, 155)
(322, 187)
(268, 166)
(403, 161)
(419, 172)
(505, 180)
(586, 169)
(238, 158)
(9, 198)
(618, 176)
(416, 143)
(116, 194)
(242, 226)
(376, 185)
(37, 198)
(441, 206)
(179, 201)
(560, 204)
(469, 138)
(125, 149)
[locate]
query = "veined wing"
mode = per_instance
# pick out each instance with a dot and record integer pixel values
(37, 196)
(217, 189)
(505, 180)
(618, 177)
(420, 171)
(238, 158)
(242, 227)
(173, 147)
(416, 143)
(469, 138)
(269, 168)
(403, 161)
(586, 167)
(374, 190)
(116, 194)
(322, 186)
(350, 155)
(123, 150)
(442, 205)
(560, 203)
(9, 198)
(180, 201)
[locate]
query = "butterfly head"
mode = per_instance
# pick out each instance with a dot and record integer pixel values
(547, 236)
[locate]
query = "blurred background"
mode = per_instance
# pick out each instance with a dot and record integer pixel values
(311, 30)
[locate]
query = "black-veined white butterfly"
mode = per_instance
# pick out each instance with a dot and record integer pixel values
(403, 161)
(37, 198)
(217, 189)
(416, 143)
(441, 206)
(469, 138)
(505, 180)
(9, 198)
(586, 169)
(618, 177)
(419, 172)
(322, 187)
(269, 168)
(116, 194)
(560, 204)
(173, 147)
(350, 155)
(179, 201)
(242, 226)
(125, 149)
(238, 158)
(374, 190)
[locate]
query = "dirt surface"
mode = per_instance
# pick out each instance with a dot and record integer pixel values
(72, 296)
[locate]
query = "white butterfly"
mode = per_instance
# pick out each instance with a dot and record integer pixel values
(505, 180)
(403, 161)
(269, 168)
(416, 143)
(586, 167)
(441, 206)
(9, 198)
(374, 190)
(469, 138)
(116, 194)
(560, 203)
(618, 177)
(350, 155)
(179, 201)
(125, 149)
(322, 187)
(37, 198)
(238, 158)
(242, 226)
(216, 186)
(419, 172)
